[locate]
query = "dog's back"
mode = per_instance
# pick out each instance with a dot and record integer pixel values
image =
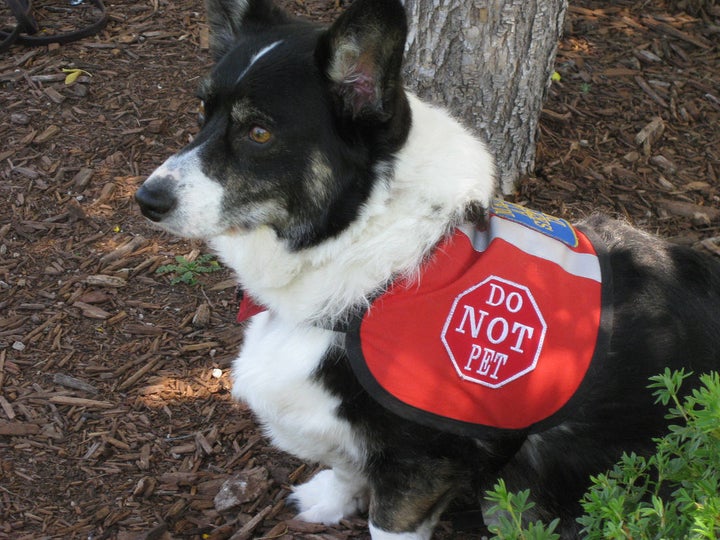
(665, 314)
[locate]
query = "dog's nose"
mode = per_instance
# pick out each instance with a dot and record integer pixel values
(155, 199)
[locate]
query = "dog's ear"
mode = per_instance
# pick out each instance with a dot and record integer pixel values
(229, 19)
(361, 55)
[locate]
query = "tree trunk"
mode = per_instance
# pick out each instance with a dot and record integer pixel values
(490, 62)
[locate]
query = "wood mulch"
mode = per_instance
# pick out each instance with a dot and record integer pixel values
(115, 414)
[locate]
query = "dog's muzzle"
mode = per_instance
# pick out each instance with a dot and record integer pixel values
(155, 198)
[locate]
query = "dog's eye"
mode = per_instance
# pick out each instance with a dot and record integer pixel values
(259, 135)
(201, 113)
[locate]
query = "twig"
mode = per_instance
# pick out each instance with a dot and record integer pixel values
(139, 374)
(2, 367)
(246, 531)
(81, 402)
(664, 28)
(650, 92)
(72, 382)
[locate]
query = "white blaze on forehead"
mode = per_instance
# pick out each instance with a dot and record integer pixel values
(257, 56)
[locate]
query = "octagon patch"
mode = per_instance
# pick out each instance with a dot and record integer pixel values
(494, 332)
(498, 333)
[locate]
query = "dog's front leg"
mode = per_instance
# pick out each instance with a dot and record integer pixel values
(331, 495)
(407, 497)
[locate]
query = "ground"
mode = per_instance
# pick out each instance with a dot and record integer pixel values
(115, 416)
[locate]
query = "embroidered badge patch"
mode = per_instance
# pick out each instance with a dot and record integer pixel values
(553, 227)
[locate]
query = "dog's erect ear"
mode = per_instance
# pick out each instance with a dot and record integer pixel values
(361, 55)
(229, 18)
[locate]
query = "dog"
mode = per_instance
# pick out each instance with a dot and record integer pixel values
(331, 190)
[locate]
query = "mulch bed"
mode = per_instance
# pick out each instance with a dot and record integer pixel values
(115, 414)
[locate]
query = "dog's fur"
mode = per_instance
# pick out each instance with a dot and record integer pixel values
(357, 183)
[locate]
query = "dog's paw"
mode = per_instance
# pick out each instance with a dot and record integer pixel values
(424, 532)
(327, 498)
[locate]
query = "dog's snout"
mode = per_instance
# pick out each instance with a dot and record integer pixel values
(156, 199)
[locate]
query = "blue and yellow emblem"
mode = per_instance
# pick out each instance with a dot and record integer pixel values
(556, 228)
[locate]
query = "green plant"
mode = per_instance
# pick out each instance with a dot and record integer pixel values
(509, 508)
(674, 494)
(188, 271)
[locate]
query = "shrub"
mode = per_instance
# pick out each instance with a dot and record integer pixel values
(673, 494)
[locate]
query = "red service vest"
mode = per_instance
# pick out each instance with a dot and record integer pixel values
(499, 331)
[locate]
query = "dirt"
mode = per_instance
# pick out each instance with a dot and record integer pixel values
(115, 414)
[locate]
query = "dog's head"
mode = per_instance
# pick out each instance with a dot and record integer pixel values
(298, 120)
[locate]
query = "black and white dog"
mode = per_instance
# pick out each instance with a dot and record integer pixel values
(323, 184)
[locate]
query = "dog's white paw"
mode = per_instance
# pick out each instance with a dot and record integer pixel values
(424, 532)
(328, 497)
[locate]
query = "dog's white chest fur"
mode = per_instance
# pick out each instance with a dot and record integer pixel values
(274, 375)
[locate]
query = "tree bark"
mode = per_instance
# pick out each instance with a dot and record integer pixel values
(490, 62)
